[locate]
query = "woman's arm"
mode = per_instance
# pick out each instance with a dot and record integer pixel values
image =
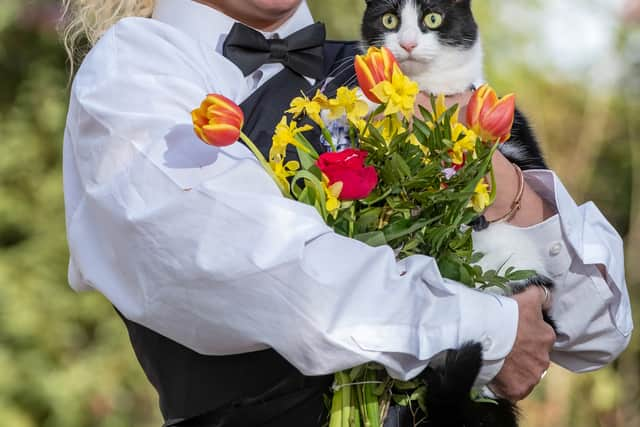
(573, 245)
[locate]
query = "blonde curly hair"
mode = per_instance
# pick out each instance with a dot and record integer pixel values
(84, 21)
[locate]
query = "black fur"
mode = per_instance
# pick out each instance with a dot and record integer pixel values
(523, 140)
(448, 386)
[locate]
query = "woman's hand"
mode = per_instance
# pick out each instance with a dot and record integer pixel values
(533, 209)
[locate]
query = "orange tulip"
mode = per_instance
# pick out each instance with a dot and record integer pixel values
(218, 121)
(373, 68)
(489, 117)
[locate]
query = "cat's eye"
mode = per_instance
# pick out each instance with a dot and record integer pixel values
(390, 21)
(433, 20)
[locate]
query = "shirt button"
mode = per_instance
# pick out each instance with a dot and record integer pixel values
(555, 249)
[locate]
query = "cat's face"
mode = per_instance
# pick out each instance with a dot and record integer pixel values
(426, 36)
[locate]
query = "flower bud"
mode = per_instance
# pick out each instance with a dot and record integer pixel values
(489, 117)
(218, 121)
(373, 68)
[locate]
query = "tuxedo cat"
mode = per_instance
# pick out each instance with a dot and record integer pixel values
(437, 44)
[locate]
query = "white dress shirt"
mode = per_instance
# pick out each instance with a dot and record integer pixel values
(197, 243)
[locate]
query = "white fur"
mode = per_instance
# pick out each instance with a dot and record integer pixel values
(513, 151)
(437, 68)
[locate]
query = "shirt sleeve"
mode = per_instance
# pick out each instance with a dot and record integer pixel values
(196, 243)
(592, 312)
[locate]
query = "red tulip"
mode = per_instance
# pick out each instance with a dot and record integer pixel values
(358, 180)
(218, 121)
(489, 117)
(373, 68)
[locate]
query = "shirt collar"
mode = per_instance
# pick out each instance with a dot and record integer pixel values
(204, 23)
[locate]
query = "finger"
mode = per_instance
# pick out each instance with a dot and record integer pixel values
(546, 297)
(550, 336)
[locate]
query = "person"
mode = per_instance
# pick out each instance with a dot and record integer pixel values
(239, 302)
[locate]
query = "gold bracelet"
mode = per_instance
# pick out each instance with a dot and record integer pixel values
(517, 202)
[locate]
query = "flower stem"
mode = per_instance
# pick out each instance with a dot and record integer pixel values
(492, 175)
(336, 404)
(346, 400)
(371, 400)
(249, 143)
(327, 136)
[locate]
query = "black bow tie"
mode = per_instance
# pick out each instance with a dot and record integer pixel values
(302, 51)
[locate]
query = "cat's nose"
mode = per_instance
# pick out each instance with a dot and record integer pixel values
(408, 46)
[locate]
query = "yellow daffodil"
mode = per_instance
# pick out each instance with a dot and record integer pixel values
(321, 99)
(481, 198)
(311, 107)
(284, 135)
(464, 142)
(441, 108)
(282, 171)
(348, 103)
(389, 127)
(361, 127)
(399, 94)
(332, 193)
(413, 140)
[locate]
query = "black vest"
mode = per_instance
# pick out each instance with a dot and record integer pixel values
(251, 389)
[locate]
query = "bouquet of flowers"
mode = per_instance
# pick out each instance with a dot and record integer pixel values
(410, 179)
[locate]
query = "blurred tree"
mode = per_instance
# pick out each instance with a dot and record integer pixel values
(64, 358)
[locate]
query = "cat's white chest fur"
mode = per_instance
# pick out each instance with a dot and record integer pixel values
(435, 66)
(452, 71)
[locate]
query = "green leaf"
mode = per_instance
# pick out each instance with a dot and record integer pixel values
(407, 385)
(401, 399)
(520, 275)
(374, 238)
(311, 180)
(357, 372)
(426, 114)
(311, 151)
(306, 160)
(476, 257)
(377, 197)
(368, 220)
(421, 128)
(400, 166)
(403, 228)
(449, 269)
(419, 393)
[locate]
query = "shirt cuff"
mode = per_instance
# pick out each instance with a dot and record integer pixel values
(593, 239)
(492, 321)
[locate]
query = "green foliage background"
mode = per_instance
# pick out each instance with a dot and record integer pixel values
(65, 360)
